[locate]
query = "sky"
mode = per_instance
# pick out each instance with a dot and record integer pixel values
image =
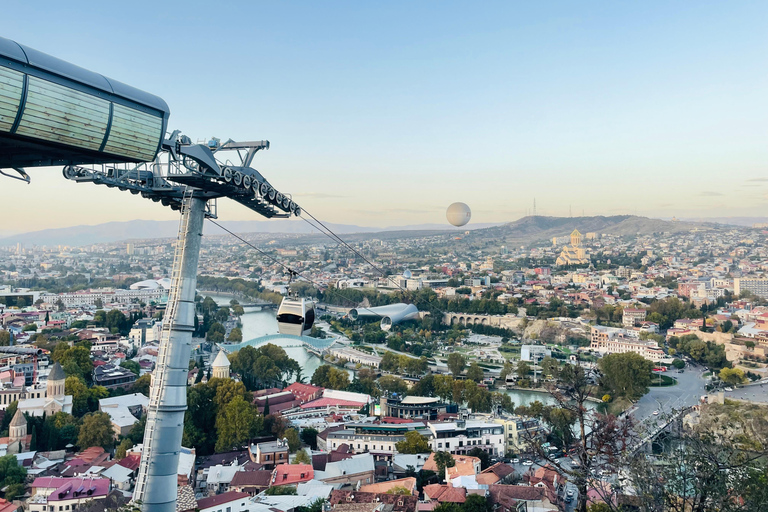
(384, 113)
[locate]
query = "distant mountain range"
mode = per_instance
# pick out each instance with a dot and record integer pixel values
(533, 228)
(140, 229)
(732, 221)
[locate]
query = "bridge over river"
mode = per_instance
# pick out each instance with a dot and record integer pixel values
(314, 345)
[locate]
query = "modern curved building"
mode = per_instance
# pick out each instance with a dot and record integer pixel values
(390, 315)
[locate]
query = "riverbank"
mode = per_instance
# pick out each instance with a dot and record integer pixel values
(546, 392)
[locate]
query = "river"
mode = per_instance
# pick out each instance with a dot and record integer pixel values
(257, 323)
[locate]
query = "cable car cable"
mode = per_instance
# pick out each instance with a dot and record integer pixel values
(286, 267)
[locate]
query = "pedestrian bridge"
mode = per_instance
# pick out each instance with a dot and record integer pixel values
(315, 345)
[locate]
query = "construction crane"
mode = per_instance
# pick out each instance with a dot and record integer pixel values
(101, 131)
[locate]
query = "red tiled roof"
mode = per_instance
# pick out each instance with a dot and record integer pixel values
(221, 499)
(131, 462)
(445, 493)
(286, 474)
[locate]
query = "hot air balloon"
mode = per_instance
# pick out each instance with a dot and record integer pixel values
(458, 214)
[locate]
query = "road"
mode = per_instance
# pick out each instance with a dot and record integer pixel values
(688, 391)
(752, 392)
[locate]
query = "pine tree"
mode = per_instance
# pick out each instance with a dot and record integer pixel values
(266, 406)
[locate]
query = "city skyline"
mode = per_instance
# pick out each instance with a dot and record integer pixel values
(382, 116)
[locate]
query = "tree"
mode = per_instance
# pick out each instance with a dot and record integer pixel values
(215, 333)
(549, 366)
(390, 362)
(309, 437)
(413, 443)
(142, 384)
(678, 363)
(732, 376)
(474, 372)
(96, 430)
(523, 369)
(12, 476)
(456, 363)
(30, 328)
(10, 412)
(131, 365)
(80, 394)
(302, 458)
(236, 424)
(98, 303)
(294, 443)
(5, 338)
(476, 503)
(75, 360)
(443, 460)
(604, 447)
(327, 376)
(484, 456)
(507, 369)
(235, 335)
(392, 384)
(625, 375)
(125, 445)
(281, 490)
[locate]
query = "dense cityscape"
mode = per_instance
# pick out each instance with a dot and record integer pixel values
(561, 372)
(383, 257)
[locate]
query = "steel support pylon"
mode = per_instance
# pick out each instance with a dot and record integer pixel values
(156, 485)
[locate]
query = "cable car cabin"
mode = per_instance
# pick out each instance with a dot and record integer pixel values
(55, 113)
(295, 316)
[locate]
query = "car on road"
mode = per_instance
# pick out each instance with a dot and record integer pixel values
(515, 461)
(568, 499)
(655, 413)
(527, 463)
(729, 389)
(569, 492)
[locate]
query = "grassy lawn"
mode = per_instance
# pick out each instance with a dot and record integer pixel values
(659, 379)
(618, 406)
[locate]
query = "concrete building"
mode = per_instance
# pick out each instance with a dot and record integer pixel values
(631, 317)
(534, 352)
(111, 376)
(270, 454)
(517, 430)
(356, 469)
(356, 356)
(412, 407)
(609, 340)
(757, 286)
(459, 437)
(377, 439)
(124, 411)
